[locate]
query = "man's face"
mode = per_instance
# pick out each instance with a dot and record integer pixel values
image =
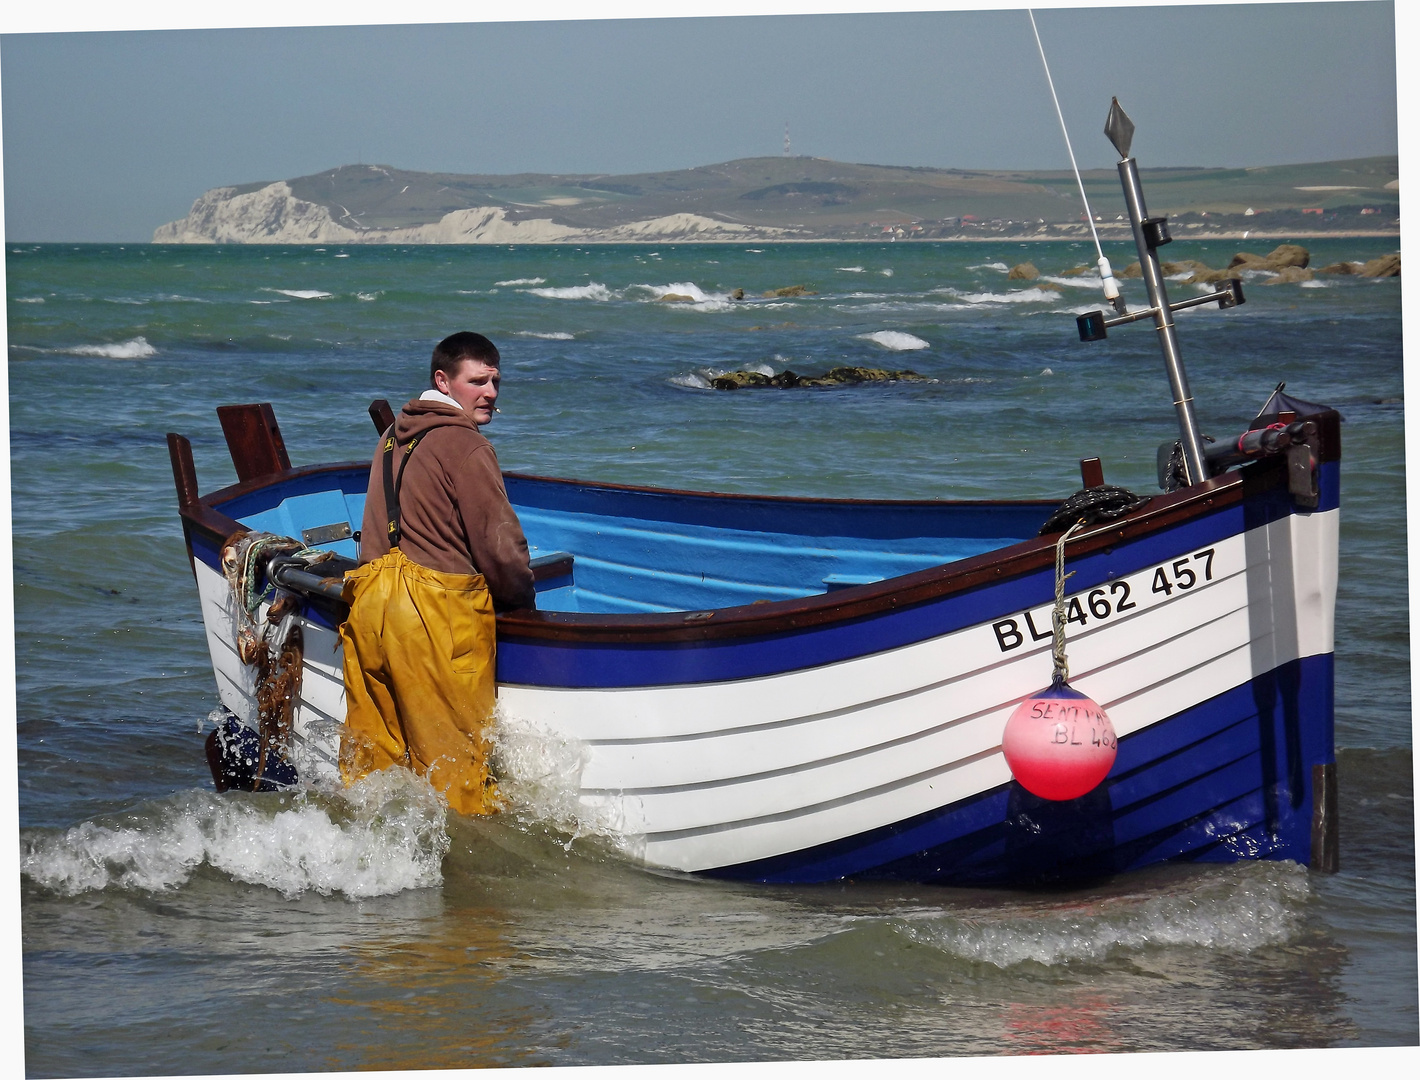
(474, 385)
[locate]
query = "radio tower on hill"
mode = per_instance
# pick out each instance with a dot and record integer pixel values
(786, 138)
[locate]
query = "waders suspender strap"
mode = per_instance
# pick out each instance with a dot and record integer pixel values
(392, 485)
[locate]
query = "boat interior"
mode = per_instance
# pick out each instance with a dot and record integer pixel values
(606, 549)
(613, 549)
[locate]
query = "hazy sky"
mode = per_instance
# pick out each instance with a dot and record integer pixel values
(109, 134)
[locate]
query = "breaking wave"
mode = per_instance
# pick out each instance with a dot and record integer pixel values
(699, 300)
(550, 335)
(1024, 296)
(523, 281)
(1245, 907)
(133, 349)
(382, 835)
(896, 340)
(691, 380)
(302, 294)
(593, 291)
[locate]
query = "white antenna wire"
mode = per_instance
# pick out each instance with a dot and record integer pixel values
(1111, 287)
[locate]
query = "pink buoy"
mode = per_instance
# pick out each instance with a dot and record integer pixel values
(1059, 743)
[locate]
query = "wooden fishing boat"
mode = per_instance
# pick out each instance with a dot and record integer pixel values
(794, 690)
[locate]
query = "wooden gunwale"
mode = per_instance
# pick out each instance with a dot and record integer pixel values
(850, 604)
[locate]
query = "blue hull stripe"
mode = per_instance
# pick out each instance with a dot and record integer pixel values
(523, 662)
(529, 662)
(1228, 778)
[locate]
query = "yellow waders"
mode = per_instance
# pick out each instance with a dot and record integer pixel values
(419, 688)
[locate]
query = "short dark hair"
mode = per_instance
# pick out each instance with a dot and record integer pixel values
(456, 348)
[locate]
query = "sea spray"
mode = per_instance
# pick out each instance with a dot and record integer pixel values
(539, 781)
(381, 836)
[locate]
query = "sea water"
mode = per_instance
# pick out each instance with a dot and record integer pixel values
(169, 929)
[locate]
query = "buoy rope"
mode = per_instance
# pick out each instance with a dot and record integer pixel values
(1061, 674)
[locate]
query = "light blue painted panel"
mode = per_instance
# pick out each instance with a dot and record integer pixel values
(627, 564)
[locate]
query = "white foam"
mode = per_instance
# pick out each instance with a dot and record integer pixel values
(383, 835)
(851, 269)
(1239, 909)
(302, 294)
(550, 335)
(366, 296)
(1046, 371)
(1002, 267)
(343, 255)
(133, 349)
(886, 271)
(1314, 284)
(591, 291)
(523, 281)
(896, 340)
(29, 299)
(759, 369)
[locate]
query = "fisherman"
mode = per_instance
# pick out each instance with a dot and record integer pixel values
(441, 549)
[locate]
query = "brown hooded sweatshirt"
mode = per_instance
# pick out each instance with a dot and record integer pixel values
(454, 511)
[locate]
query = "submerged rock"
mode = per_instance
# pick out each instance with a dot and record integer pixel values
(790, 290)
(1290, 274)
(787, 380)
(1341, 268)
(1385, 266)
(1212, 277)
(675, 298)
(1025, 271)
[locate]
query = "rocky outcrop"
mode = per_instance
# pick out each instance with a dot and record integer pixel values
(273, 215)
(787, 380)
(1025, 271)
(1279, 258)
(789, 290)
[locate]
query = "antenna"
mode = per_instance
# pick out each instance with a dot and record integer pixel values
(1111, 287)
(786, 138)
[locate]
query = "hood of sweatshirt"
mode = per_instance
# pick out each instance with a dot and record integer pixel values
(421, 416)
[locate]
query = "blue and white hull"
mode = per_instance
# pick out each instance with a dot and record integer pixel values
(849, 724)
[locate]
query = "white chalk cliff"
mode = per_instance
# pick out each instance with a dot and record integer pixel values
(273, 215)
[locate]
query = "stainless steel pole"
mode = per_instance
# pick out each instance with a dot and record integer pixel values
(1163, 322)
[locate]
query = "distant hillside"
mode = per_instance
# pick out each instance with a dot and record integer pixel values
(777, 198)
